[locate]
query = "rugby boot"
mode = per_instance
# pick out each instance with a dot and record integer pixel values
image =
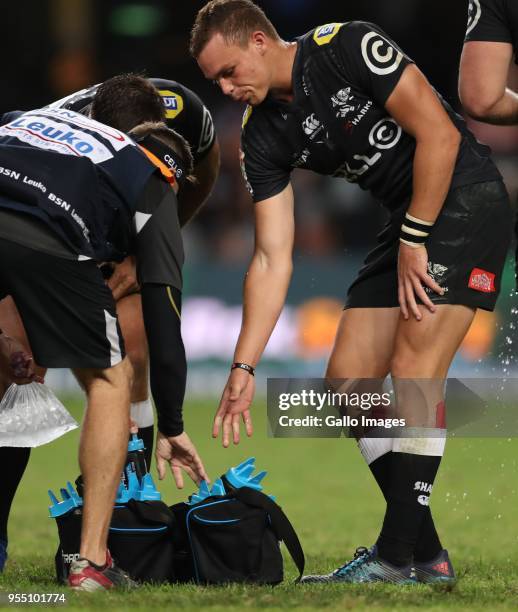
(438, 570)
(366, 566)
(86, 576)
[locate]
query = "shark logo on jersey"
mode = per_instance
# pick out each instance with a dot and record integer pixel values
(342, 99)
(325, 34)
(173, 103)
(379, 55)
(474, 13)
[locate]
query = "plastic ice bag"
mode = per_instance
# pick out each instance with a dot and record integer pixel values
(31, 415)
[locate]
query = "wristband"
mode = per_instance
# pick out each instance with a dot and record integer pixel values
(243, 366)
(414, 231)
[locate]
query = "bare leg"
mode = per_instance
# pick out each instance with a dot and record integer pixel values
(364, 343)
(102, 451)
(423, 354)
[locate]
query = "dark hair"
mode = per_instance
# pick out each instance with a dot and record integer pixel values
(171, 139)
(126, 100)
(235, 20)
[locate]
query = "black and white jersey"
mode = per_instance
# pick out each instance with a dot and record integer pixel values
(184, 112)
(91, 186)
(493, 21)
(337, 123)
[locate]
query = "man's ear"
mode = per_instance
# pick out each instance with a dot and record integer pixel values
(259, 40)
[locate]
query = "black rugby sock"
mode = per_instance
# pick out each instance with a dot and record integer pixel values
(412, 477)
(380, 469)
(13, 461)
(428, 544)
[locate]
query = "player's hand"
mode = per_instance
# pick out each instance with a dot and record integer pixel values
(234, 406)
(17, 362)
(412, 275)
(181, 454)
(123, 281)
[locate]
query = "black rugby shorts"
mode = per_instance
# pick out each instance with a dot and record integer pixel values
(467, 249)
(67, 309)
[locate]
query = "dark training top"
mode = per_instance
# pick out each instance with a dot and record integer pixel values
(95, 195)
(337, 124)
(184, 112)
(493, 21)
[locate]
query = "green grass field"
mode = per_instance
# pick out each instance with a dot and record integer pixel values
(328, 493)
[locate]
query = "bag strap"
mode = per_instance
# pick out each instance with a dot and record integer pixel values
(281, 525)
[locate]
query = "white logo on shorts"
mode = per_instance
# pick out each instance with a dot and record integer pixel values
(437, 272)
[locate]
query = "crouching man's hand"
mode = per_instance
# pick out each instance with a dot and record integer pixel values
(16, 362)
(181, 454)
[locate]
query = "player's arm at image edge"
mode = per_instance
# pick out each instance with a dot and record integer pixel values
(484, 69)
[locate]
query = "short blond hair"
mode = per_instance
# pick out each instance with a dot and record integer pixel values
(235, 20)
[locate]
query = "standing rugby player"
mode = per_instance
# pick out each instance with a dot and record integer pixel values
(344, 100)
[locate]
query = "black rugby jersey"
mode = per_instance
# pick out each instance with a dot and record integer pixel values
(337, 124)
(493, 21)
(184, 112)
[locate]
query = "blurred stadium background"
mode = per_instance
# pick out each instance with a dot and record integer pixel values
(55, 47)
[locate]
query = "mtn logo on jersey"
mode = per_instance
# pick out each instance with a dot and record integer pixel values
(482, 280)
(173, 103)
(325, 34)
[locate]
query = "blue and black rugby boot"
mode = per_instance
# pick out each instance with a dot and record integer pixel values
(365, 567)
(438, 570)
(3, 554)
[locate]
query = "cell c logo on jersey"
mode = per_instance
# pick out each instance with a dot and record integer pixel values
(379, 55)
(173, 103)
(474, 13)
(385, 134)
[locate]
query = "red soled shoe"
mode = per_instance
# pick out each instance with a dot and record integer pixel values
(86, 576)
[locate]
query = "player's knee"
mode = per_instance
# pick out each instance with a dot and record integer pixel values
(119, 376)
(408, 362)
